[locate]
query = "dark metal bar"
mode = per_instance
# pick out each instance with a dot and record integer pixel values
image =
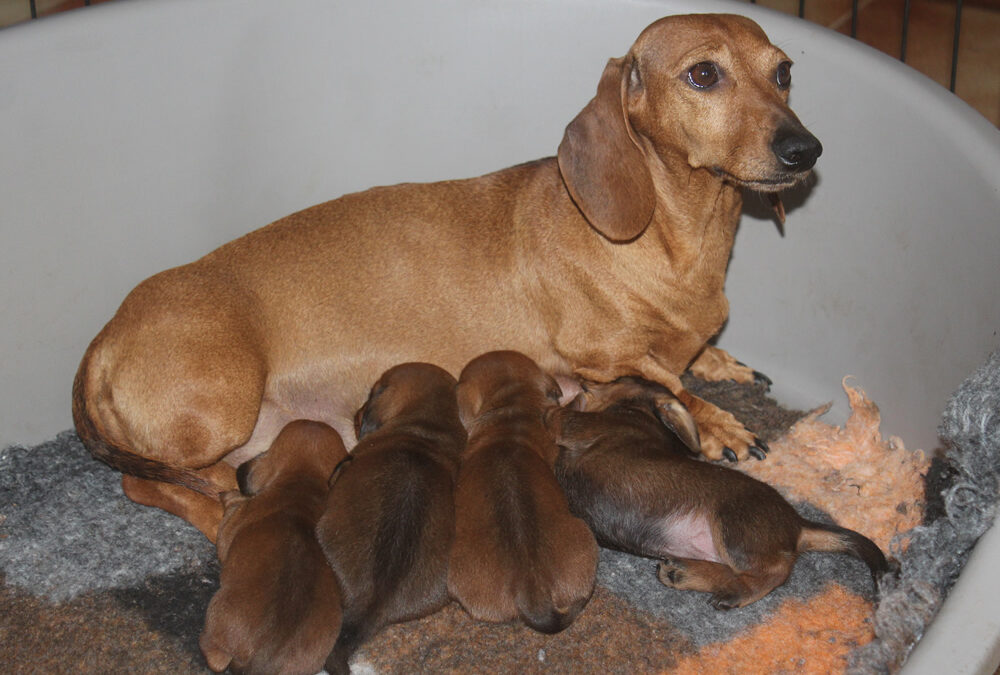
(34, 10)
(906, 31)
(954, 44)
(854, 18)
(802, 9)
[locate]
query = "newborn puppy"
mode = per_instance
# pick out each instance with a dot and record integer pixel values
(626, 466)
(518, 551)
(278, 607)
(389, 518)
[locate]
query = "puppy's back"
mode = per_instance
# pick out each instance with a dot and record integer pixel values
(518, 552)
(278, 606)
(386, 532)
(277, 610)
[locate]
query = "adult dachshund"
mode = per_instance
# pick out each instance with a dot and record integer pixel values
(606, 260)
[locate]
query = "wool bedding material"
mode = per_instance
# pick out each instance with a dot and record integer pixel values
(94, 582)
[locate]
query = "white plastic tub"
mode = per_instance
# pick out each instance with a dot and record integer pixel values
(140, 134)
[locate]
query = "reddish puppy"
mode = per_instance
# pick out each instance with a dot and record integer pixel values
(389, 518)
(518, 552)
(278, 607)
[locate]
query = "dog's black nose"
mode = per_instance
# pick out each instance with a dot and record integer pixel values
(796, 148)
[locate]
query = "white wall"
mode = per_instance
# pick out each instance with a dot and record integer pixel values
(140, 134)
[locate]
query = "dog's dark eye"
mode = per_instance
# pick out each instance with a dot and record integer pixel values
(783, 76)
(703, 75)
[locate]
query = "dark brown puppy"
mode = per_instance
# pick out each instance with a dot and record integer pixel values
(518, 551)
(627, 468)
(278, 608)
(389, 518)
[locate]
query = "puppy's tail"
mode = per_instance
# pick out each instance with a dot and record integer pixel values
(122, 459)
(835, 539)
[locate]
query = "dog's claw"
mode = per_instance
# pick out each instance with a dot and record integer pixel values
(762, 380)
(759, 449)
(759, 378)
(730, 455)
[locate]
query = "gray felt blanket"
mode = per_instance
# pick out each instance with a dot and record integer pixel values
(93, 582)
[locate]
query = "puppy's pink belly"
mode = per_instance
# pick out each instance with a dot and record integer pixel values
(688, 536)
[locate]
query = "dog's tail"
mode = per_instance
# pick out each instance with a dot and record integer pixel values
(835, 539)
(122, 459)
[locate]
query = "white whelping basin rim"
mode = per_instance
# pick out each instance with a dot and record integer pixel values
(140, 134)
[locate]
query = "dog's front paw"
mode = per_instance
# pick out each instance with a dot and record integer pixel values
(716, 365)
(722, 435)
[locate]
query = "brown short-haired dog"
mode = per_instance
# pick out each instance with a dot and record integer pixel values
(278, 607)
(518, 551)
(389, 518)
(625, 466)
(608, 259)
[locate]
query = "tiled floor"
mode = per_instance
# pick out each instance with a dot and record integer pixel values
(929, 48)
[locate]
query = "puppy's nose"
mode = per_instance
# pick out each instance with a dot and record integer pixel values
(796, 148)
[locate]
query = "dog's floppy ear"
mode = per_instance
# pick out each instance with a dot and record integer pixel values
(601, 162)
(675, 416)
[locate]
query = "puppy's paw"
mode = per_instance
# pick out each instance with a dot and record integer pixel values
(670, 573)
(724, 601)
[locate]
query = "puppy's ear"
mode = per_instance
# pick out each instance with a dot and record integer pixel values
(366, 419)
(675, 416)
(553, 391)
(470, 402)
(553, 420)
(579, 402)
(339, 469)
(601, 161)
(232, 498)
(245, 477)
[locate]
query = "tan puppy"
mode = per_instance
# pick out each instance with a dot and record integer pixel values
(607, 260)
(390, 516)
(518, 552)
(278, 607)
(626, 466)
